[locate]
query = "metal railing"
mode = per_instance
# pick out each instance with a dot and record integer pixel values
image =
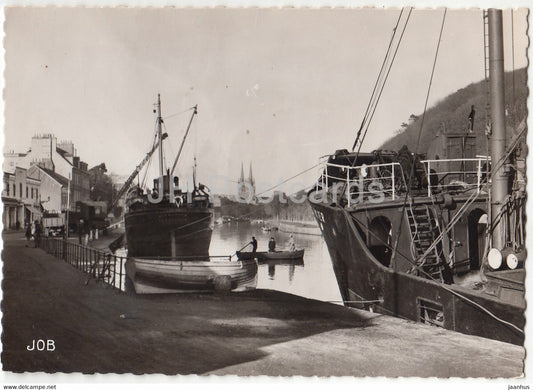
(455, 174)
(365, 181)
(99, 265)
(387, 180)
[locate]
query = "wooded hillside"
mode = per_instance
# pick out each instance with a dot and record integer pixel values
(451, 113)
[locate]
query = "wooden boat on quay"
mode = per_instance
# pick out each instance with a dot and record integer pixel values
(152, 275)
(276, 255)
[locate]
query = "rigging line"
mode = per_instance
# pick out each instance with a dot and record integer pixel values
(195, 232)
(290, 178)
(512, 52)
(474, 195)
(170, 145)
(429, 88)
(466, 299)
(177, 113)
(361, 302)
(413, 165)
(409, 259)
(141, 183)
(283, 182)
(379, 95)
(191, 223)
(378, 79)
(385, 80)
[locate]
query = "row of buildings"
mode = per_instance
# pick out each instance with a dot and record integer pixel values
(38, 181)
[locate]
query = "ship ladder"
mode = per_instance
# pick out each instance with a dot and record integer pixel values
(423, 227)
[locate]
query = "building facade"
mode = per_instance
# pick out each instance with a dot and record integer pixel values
(21, 197)
(57, 165)
(53, 191)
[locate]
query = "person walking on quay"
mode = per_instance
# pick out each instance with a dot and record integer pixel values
(272, 245)
(37, 235)
(254, 245)
(81, 230)
(28, 234)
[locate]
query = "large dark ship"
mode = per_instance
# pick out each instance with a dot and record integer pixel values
(167, 222)
(438, 237)
(168, 233)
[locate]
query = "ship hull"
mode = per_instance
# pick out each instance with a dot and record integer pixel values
(367, 284)
(160, 232)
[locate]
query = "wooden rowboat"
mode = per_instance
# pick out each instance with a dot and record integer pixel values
(169, 276)
(276, 255)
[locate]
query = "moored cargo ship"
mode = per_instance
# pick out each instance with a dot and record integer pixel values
(436, 238)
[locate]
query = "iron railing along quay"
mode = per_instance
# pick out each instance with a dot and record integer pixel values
(99, 265)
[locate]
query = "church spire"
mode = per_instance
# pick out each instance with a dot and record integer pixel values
(241, 179)
(251, 177)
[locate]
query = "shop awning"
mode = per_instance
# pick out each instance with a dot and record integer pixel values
(33, 210)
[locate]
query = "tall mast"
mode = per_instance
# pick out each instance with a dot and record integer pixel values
(194, 173)
(497, 142)
(160, 134)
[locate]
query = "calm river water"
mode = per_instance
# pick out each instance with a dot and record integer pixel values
(312, 279)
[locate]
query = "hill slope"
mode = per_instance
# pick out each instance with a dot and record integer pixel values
(452, 112)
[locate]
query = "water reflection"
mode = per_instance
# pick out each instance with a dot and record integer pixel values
(311, 277)
(291, 264)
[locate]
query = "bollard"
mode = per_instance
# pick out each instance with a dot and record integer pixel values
(223, 284)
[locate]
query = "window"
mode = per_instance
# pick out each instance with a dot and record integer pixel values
(430, 312)
(14, 190)
(26, 191)
(20, 189)
(7, 190)
(32, 192)
(36, 194)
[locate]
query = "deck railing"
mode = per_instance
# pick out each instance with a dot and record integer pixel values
(455, 174)
(368, 181)
(365, 181)
(99, 265)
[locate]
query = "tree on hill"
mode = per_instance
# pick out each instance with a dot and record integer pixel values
(451, 113)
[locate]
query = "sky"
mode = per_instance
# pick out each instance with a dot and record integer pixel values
(277, 88)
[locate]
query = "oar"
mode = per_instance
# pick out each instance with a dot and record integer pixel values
(240, 249)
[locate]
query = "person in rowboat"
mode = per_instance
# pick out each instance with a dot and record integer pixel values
(254, 245)
(272, 245)
(291, 245)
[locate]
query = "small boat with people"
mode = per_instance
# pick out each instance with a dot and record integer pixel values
(288, 254)
(274, 255)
